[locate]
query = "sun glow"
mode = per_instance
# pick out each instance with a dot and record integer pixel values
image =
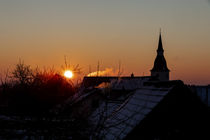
(68, 74)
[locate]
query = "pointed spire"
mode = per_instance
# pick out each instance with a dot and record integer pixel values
(160, 64)
(160, 46)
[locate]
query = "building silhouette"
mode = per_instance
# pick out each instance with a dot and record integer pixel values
(159, 72)
(160, 69)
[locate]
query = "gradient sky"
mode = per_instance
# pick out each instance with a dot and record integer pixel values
(42, 32)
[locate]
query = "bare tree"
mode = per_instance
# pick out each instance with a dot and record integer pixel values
(5, 83)
(22, 73)
(76, 69)
(120, 70)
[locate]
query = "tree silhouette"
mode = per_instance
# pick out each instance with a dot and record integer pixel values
(22, 73)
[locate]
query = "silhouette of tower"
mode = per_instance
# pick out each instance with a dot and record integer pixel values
(160, 69)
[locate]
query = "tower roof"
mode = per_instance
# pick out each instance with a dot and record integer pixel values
(160, 46)
(160, 64)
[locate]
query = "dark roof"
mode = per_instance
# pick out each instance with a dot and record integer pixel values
(179, 115)
(132, 112)
(156, 111)
(94, 81)
(160, 64)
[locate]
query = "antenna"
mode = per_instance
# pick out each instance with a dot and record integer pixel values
(119, 70)
(90, 70)
(65, 62)
(98, 69)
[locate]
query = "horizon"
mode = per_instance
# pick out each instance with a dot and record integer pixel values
(42, 32)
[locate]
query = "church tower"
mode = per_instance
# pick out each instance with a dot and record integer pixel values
(160, 69)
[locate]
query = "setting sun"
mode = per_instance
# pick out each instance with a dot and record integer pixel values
(68, 74)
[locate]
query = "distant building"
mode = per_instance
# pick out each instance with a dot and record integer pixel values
(203, 92)
(160, 69)
(95, 81)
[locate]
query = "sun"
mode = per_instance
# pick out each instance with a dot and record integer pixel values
(68, 74)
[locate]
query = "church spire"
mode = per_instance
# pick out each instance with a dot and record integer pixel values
(160, 69)
(160, 46)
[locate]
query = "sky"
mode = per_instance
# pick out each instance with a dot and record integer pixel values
(42, 32)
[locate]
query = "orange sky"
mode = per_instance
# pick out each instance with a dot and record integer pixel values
(87, 31)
